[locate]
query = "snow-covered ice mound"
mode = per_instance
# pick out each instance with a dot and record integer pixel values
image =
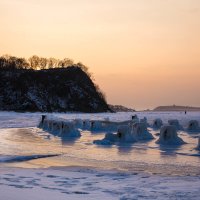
(124, 134)
(59, 127)
(144, 120)
(86, 124)
(78, 123)
(56, 127)
(157, 123)
(68, 130)
(168, 136)
(175, 122)
(107, 126)
(47, 124)
(133, 117)
(193, 126)
(97, 125)
(140, 132)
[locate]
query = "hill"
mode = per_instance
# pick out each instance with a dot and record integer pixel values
(120, 108)
(176, 108)
(50, 90)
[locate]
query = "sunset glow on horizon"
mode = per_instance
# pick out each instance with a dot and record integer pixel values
(142, 53)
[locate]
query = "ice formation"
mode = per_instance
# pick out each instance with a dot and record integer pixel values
(157, 123)
(106, 126)
(168, 136)
(144, 120)
(140, 132)
(193, 126)
(68, 130)
(86, 124)
(97, 125)
(56, 127)
(60, 128)
(124, 134)
(133, 117)
(78, 123)
(175, 122)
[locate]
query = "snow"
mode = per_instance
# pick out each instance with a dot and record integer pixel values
(75, 168)
(79, 183)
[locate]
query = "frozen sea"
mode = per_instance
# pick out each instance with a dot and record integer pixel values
(143, 170)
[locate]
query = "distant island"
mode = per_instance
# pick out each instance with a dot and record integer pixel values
(120, 108)
(176, 108)
(48, 85)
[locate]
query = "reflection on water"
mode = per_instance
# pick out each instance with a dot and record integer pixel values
(140, 156)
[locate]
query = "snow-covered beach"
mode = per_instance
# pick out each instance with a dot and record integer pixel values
(80, 169)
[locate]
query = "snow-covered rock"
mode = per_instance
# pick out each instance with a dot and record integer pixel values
(168, 136)
(56, 127)
(86, 124)
(124, 135)
(175, 122)
(133, 117)
(78, 123)
(144, 120)
(59, 127)
(68, 130)
(97, 125)
(193, 126)
(140, 132)
(157, 123)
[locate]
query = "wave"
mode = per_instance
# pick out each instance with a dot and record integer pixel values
(10, 159)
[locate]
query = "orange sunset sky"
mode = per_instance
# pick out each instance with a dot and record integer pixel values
(142, 53)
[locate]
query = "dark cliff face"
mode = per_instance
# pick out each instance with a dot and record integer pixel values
(52, 90)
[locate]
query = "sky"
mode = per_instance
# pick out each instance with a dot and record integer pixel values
(142, 53)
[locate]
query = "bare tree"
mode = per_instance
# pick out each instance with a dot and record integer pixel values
(34, 62)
